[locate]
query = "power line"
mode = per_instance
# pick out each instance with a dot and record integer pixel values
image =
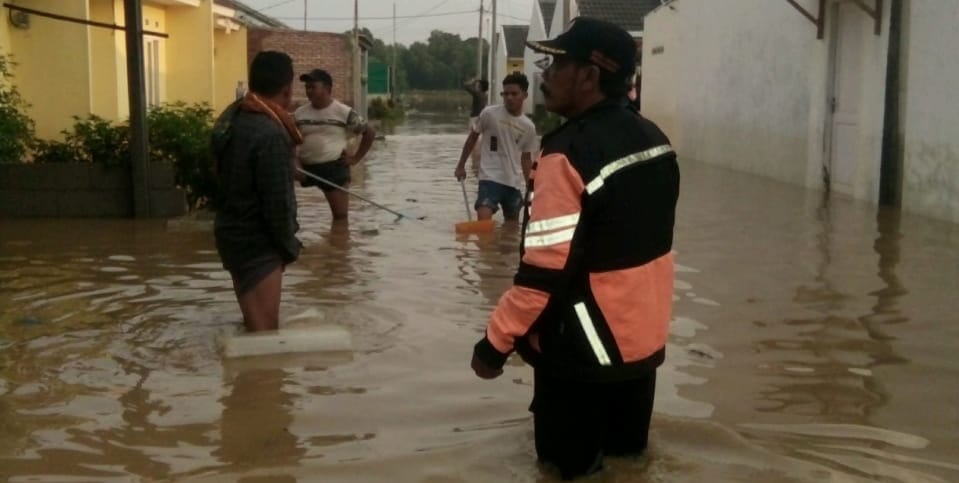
(274, 6)
(339, 19)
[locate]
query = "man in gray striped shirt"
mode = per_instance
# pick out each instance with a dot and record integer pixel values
(327, 126)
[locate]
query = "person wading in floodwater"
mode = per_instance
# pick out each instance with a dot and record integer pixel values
(509, 139)
(328, 126)
(255, 227)
(592, 299)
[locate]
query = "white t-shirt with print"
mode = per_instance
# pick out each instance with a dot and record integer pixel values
(505, 138)
(326, 132)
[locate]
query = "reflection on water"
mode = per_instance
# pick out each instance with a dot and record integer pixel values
(812, 340)
(255, 422)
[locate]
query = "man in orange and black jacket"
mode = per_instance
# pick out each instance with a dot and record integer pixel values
(592, 300)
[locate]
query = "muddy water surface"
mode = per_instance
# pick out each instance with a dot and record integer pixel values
(813, 341)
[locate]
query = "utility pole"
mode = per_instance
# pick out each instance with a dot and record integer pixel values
(479, 45)
(393, 77)
(489, 59)
(357, 82)
(136, 92)
(493, 79)
(304, 15)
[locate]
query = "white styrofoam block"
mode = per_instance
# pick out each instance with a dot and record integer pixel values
(326, 338)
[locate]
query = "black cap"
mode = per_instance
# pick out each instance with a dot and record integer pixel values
(602, 43)
(317, 75)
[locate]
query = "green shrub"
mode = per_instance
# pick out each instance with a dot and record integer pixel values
(54, 152)
(16, 128)
(386, 110)
(90, 140)
(180, 135)
(545, 121)
(97, 140)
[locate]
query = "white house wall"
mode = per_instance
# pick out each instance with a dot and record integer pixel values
(744, 84)
(930, 115)
(558, 25)
(661, 74)
(496, 84)
(537, 31)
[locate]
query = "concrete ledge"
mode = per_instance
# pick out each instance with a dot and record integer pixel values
(161, 176)
(28, 204)
(83, 191)
(167, 203)
(112, 178)
(4, 175)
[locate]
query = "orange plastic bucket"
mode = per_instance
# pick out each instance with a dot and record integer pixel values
(480, 226)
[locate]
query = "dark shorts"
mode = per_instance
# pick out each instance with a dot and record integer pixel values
(250, 273)
(494, 195)
(577, 423)
(333, 171)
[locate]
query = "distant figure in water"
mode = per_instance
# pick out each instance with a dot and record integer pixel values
(255, 227)
(479, 91)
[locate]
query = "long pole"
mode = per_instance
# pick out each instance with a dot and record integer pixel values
(394, 76)
(489, 59)
(347, 191)
(304, 15)
(479, 45)
(494, 46)
(567, 13)
(136, 92)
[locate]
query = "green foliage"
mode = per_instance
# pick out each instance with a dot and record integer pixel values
(444, 61)
(545, 121)
(92, 139)
(54, 152)
(16, 128)
(180, 135)
(99, 141)
(387, 110)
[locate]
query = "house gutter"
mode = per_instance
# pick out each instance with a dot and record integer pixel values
(92, 23)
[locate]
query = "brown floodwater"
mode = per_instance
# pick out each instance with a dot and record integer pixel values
(813, 340)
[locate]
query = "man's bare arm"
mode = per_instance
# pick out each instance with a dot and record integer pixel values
(527, 162)
(468, 147)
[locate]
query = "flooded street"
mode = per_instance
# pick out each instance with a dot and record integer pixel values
(813, 341)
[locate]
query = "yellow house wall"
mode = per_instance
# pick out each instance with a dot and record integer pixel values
(190, 71)
(230, 65)
(103, 62)
(4, 34)
(54, 66)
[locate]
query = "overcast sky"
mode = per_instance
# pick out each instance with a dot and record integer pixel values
(456, 16)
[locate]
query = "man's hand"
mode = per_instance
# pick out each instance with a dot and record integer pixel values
(484, 371)
(298, 175)
(460, 172)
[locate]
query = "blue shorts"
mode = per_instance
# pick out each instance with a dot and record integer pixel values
(494, 195)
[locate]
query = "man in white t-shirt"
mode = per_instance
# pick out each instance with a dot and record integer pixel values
(509, 140)
(327, 126)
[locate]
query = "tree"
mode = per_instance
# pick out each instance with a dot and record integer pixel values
(443, 62)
